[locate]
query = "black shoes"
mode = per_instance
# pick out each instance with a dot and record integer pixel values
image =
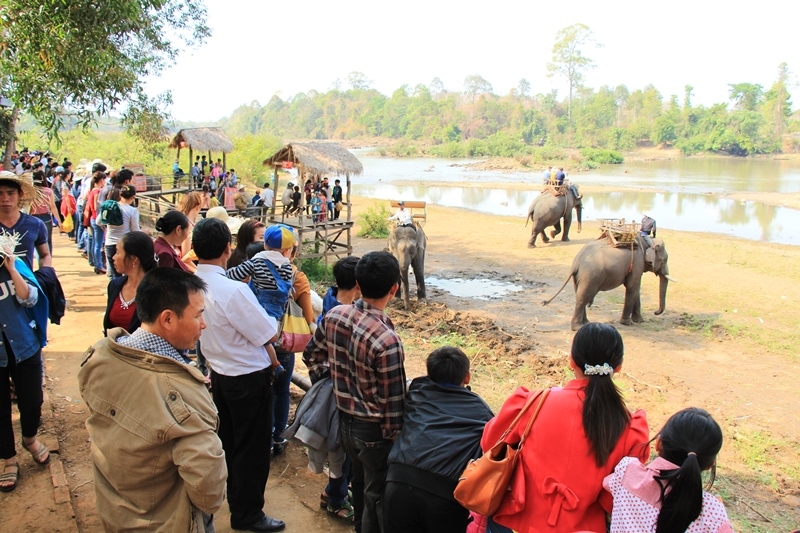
(279, 447)
(265, 524)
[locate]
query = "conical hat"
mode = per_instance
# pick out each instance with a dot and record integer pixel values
(30, 194)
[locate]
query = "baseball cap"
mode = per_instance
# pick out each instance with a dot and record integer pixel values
(279, 237)
(59, 170)
(401, 202)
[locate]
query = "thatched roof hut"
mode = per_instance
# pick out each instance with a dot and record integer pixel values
(318, 159)
(203, 140)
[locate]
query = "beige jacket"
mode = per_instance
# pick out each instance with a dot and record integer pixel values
(157, 458)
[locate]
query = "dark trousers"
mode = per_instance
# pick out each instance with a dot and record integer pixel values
(408, 509)
(280, 396)
(368, 450)
(245, 429)
(48, 222)
(27, 377)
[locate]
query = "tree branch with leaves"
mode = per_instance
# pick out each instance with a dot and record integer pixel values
(568, 59)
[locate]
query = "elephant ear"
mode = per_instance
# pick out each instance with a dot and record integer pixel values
(650, 255)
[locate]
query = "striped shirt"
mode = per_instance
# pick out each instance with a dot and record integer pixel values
(257, 270)
(365, 356)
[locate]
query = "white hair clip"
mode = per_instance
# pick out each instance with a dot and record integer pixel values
(598, 370)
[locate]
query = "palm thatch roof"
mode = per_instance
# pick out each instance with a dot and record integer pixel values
(318, 158)
(203, 140)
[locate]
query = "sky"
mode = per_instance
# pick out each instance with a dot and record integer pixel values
(261, 48)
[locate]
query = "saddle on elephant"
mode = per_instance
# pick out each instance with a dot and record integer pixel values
(619, 233)
(555, 190)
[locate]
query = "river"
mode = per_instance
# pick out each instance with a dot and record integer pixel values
(681, 194)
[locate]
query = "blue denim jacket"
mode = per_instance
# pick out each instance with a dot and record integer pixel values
(25, 327)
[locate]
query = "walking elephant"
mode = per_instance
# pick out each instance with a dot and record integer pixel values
(408, 244)
(548, 210)
(599, 266)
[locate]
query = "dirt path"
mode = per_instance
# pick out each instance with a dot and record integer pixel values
(726, 343)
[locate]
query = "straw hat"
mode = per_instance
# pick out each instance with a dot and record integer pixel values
(30, 194)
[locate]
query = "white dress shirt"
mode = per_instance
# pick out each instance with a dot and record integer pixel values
(237, 326)
(403, 217)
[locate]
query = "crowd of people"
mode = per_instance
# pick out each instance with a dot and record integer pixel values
(193, 319)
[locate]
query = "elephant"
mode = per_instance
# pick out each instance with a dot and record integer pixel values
(408, 244)
(548, 210)
(599, 266)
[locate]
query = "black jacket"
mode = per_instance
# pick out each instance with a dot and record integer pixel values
(114, 288)
(442, 429)
(48, 280)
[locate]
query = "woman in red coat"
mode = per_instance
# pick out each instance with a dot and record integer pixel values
(579, 436)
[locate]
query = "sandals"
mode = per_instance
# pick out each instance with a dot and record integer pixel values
(12, 477)
(39, 452)
(324, 498)
(345, 512)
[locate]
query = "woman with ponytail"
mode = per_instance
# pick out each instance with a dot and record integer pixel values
(667, 496)
(582, 431)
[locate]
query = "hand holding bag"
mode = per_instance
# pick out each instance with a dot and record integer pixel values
(485, 481)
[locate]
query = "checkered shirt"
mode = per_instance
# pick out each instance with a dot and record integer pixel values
(149, 342)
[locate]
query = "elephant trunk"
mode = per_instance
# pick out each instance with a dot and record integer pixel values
(662, 293)
(579, 212)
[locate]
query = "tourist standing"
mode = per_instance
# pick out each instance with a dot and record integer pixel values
(234, 345)
(130, 222)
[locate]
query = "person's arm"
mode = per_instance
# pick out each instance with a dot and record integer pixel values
(654, 229)
(135, 220)
(242, 271)
(45, 259)
(201, 461)
(396, 216)
(391, 393)
(27, 295)
(315, 356)
(54, 211)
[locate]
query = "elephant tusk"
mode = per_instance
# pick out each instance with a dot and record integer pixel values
(673, 280)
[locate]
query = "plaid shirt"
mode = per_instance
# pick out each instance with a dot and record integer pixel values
(365, 356)
(149, 342)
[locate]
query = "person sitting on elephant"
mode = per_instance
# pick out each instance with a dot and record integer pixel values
(402, 216)
(560, 175)
(648, 229)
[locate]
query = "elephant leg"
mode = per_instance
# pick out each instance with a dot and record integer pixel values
(545, 238)
(567, 224)
(583, 295)
(631, 297)
(419, 275)
(557, 229)
(637, 310)
(532, 241)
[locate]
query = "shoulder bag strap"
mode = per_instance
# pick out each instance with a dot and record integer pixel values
(513, 424)
(542, 398)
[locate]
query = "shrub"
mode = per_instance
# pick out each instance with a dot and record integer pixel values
(598, 155)
(374, 223)
(314, 268)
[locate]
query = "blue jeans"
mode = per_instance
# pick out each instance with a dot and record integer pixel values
(98, 238)
(368, 450)
(280, 397)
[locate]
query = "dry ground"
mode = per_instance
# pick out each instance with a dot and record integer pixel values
(726, 343)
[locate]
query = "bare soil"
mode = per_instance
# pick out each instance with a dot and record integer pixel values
(727, 343)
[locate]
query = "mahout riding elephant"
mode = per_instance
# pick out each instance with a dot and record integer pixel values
(599, 266)
(408, 244)
(548, 210)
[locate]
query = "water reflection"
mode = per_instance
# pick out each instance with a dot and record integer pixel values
(480, 289)
(680, 211)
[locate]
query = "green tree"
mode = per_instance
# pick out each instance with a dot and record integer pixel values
(358, 81)
(524, 88)
(78, 60)
(778, 103)
(475, 85)
(746, 96)
(568, 59)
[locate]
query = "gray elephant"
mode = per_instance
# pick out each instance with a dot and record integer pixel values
(548, 210)
(599, 266)
(408, 244)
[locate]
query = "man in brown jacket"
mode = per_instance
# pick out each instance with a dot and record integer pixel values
(158, 462)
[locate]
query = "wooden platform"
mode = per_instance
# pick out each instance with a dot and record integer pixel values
(620, 233)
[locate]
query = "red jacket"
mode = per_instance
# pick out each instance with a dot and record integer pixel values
(558, 486)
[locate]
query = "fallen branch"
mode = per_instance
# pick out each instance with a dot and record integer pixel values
(82, 484)
(642, 382)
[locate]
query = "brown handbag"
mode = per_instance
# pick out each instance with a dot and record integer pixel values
(486, 480)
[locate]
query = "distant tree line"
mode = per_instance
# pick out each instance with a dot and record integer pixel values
(478, 122)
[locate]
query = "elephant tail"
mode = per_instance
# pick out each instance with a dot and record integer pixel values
(545, 302)
(529, 217)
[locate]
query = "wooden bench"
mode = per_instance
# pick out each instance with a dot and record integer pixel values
(421, 213)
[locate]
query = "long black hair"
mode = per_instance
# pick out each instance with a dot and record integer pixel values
(138, 244)
(605, 415)
(692, 440)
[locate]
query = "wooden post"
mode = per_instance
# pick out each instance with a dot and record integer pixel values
(349, 214)
(275, 196)
(191, 166)
(224, 162)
